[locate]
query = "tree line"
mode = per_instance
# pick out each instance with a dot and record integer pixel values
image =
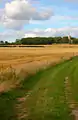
(41, 41)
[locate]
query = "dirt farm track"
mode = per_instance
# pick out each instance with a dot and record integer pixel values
(31, 58)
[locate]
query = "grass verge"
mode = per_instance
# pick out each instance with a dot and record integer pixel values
(46, 96)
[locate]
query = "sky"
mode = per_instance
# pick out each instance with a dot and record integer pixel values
(38, 18)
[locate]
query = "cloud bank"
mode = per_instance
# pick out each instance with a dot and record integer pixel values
(49, 32)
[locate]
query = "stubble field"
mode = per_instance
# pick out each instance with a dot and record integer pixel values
(18, 62)
(34, 58)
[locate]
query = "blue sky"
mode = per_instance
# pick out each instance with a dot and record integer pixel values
(24, 16)
(59, 8)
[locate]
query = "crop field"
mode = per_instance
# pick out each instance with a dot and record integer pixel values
(32, 58)
(48, 94)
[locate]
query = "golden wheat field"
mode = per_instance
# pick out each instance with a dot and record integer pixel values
(33, 58)
(29, 60)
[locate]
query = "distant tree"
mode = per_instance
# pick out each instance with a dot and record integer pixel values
(1, 42)
(75, 41)
(65, 39)
(58, 39)
(18, 41)
(6, 43)
(44, 40)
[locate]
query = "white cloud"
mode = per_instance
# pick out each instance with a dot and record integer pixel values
(13, 24)
(51, 32)
(19, 10)
(12, 35)
(1, 13)
(30, 35)
(17, 13)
